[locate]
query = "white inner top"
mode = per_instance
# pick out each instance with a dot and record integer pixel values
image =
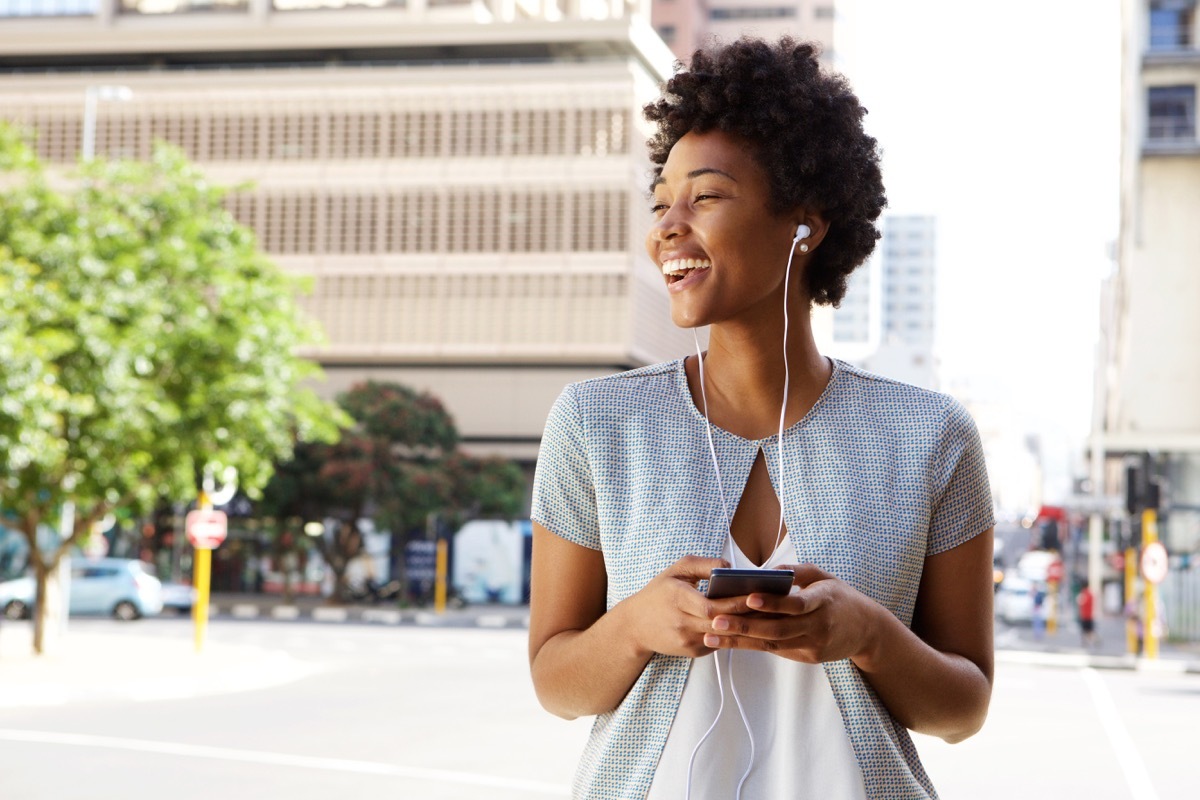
(801, 749)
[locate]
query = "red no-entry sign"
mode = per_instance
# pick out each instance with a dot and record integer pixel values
(206, 528)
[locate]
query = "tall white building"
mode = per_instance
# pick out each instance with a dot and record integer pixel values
(886, 322)
(464, 181)
(1148, 370)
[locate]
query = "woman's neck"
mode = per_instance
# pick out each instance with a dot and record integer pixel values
(744, 375)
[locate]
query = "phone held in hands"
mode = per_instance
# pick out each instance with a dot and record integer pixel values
(726, 582)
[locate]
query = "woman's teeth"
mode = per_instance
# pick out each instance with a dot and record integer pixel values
(678, 266)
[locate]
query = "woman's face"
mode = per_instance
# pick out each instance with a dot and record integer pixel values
(722, 250)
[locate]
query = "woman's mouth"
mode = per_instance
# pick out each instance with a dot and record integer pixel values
(684, 272)
(677, 269)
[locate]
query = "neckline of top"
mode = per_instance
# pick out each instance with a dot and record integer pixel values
(681, 384)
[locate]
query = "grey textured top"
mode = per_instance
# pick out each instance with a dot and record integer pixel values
(879, 475)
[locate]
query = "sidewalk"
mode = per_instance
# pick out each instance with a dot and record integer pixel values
(132, 666)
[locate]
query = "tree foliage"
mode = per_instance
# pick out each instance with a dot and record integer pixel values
(143, 339)
(397, 465)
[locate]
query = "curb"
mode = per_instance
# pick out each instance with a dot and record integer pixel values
(517, 617)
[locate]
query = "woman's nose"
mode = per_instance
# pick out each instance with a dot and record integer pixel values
(668, 226)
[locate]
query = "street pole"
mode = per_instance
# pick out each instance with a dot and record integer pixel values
(92, 96)
(439, 585)
(1150, 624)
(201, 578)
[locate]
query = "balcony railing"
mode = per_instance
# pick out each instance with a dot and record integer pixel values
(1171, 129)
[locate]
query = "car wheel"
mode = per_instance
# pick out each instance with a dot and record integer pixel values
(16, 610)
(125, 611)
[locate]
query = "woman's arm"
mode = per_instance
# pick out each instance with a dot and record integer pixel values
(934, 679)
(584, 660)
(937, 677)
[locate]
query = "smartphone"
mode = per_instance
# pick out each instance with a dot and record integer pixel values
(737, 582)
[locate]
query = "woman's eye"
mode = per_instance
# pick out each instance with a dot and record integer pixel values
(658, 208)
(700, 197)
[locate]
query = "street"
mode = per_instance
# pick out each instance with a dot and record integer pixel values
(310, 711)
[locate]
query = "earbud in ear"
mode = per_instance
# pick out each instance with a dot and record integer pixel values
(802, 231)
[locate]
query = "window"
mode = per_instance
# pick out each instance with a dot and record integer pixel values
(48, 8)
(823, 12)
(181, 6)
(760, 12)
(1172, 114)
(1171, 24)
(667, 32)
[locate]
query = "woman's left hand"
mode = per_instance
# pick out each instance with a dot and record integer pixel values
(826, 620)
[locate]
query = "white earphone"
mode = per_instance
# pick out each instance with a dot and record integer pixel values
(802, 232)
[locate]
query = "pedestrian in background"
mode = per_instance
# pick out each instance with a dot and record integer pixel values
(1038, 618)
(1085, 601)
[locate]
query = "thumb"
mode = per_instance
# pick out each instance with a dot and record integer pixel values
(695, 568)
(807, 574)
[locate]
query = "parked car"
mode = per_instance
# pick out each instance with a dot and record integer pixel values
(1014, 600)
(121, 587)
(178, 597)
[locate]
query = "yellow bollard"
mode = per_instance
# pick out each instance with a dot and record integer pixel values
(201, 578)
(1052, 607)
(1131, 636)
(1150, 624)
(439, 586)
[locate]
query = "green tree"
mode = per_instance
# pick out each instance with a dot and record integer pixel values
(144, 340)
(398, 466)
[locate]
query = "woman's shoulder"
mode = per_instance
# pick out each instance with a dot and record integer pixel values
(648, 381)
(887, 397)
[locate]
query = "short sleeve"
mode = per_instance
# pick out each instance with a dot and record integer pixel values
(564, 494)
(962, 503)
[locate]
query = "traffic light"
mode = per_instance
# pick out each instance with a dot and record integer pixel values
(1141, 491)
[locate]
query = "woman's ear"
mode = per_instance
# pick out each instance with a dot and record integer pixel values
(810, 230)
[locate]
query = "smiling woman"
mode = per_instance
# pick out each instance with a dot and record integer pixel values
(761, 452)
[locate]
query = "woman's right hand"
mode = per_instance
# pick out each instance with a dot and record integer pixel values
(669, 615)
(584, 657)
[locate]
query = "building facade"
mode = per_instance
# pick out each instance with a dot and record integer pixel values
(465, 183)
(887, 321)
(1148, 369)
(686, 25)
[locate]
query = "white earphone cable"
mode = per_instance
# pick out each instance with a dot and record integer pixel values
(729, 530)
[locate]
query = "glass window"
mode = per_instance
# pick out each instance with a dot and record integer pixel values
(1171, 24)
(760, 12)
(309, 5)
(1172, 113)
(48, 8)
(162, 7)
(667, 32)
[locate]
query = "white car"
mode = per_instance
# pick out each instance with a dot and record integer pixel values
(1014, 600)
(121, 587)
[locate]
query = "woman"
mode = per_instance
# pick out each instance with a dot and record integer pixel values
(761, 452)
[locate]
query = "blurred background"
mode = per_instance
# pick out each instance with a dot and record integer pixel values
(460, 186)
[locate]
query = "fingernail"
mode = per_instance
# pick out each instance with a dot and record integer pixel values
(720, 624)
(754, 601)
(711, 640)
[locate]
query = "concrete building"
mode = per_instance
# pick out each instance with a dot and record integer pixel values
(686, 25)
(464, 181)
(1149, 382)
(886, 322)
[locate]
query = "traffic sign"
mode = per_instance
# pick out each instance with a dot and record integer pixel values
(1154, 562)
(206, 528)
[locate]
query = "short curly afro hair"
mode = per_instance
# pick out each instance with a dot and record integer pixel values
(804, 125)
